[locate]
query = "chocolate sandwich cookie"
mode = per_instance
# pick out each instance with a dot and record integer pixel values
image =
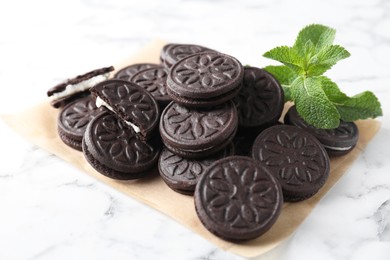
(116, 151)
(77, 87)
(163, 52)
(174, 52)
(337, 141)
(182, 174)
(154, 80)
(205, 79)
(260, 101)
(295, 157)
(73, 120)
(129, 71)
(196, 133)
(129, 102)
(238, 199)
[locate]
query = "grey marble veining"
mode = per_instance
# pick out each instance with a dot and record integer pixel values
(50, 210)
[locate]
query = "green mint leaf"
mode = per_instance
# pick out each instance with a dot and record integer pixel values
(361, 106)
(285, 76)
(320, 36)
(312, 103)
(288, 56)
(325, 59)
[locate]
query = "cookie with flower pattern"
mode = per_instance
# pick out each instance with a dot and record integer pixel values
(205, 79)
(197, 133)
(260, 101)
(128, 72)
(73, 120)
(295, 157)
(154, 80)
(337, 141)
(182, 174)
(132, 104)
(116, 151)
(238, 199)
(173, 52)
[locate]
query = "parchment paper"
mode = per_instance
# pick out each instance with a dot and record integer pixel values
(38, 125)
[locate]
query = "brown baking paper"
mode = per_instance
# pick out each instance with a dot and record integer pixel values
(39, 125)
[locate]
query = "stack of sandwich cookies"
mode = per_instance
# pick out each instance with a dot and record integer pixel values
(205, 79)
(196, 133)
(121, 143)
(77, 87)
(337, 141)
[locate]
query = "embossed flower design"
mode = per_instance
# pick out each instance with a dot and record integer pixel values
(153, 80)
(197, 124)
(296, 157)
(207, 70)
(131, 103)
(240, 197)
(79, 115)
(179, 167)
(121, 143)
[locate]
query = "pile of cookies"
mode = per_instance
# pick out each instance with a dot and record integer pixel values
(210, 126)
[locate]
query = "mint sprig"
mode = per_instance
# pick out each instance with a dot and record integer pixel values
(318, 99)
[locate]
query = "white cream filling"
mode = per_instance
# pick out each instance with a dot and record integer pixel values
(82, 86)
(100, 102)
(338, 148)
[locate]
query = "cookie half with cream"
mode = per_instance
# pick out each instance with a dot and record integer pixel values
(132, 104)
(76, 87)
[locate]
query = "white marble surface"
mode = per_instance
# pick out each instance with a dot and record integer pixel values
(50, 210)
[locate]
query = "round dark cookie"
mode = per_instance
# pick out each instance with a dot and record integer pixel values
(73, 120)
(174, 52)
(163, 52)
(238, 199)
(116, 151)
(260, 101)
(131, 103)
(197, 133)
(337, 141)
(295, 157)
(182, 174)
(205, 79)
(128, 72)
(154, 80)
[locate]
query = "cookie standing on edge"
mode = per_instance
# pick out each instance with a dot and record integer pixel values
(79, 86)
(238, 199)
(181, 174)
(295, 157)
(195, 133)
(73, 120)
(116, 151)
(205, 79)
(260, 101)
(338, 141)
(130, 103)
